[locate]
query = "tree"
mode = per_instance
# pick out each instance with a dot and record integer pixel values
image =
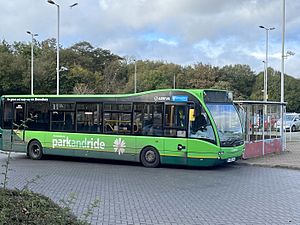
(115, 77)
(12, 71)
(81, 88)
(45, 68)
(97, 70)
(241, 78)
(199, 76)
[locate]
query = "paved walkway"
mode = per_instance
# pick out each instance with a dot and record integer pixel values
(130, 194)
(287, 159)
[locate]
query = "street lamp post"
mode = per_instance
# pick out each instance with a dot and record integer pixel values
(283, 144)
(32, 39)
(283, 57)
(134, 76)
(174, 81)
(264, 90)
(266, 61)
(57, 47)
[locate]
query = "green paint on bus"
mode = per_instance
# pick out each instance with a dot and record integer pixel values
(170, 126)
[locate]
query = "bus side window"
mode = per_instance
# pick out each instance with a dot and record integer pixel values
(7, 115)
(69, 121)
(38, 116)
(63, 117)
(1, 114)
(88, 119)
(117, 118)
(138, 115)
(148, 118)
(111, 122)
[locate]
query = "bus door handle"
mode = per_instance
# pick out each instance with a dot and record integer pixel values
(180, 147)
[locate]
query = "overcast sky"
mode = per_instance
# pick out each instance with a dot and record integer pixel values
(217, 32)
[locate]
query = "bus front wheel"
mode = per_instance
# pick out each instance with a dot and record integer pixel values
(35, 150)
(150, 157)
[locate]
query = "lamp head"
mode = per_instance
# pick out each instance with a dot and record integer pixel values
(63, 69)
(290, 53)
(51, 2)
(71, 6)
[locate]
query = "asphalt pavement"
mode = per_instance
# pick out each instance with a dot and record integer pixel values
(170, 195)
(132, 194)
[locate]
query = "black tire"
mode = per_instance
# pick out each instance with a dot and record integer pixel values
(35, 150)
(150, 157)
(293, 128)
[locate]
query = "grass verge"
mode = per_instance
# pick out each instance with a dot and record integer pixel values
(28, 208)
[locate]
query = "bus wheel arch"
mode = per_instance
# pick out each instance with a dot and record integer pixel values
(35, 149)
(149, 156)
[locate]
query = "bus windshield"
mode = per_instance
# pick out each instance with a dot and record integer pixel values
(228, 124)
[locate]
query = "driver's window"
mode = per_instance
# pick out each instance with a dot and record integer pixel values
(200, 126)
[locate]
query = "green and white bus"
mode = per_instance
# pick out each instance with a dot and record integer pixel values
(170, 126)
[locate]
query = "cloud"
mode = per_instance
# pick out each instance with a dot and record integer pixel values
(183, 31)
(167, 42)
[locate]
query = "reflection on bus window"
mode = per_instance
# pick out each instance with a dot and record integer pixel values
(175, 117)
(148, 119)
(116, 122)
(117, 118)
(62, 120)
(38, 112)
(87, 117)
(7, 115)
(228, 124)
(200, 126)
(63, 117)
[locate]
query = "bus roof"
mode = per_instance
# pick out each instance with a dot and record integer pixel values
(196, 92)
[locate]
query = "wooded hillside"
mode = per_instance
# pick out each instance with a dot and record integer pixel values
(96, 70)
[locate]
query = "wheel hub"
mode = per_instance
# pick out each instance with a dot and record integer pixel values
(150, 156)
(36, 150)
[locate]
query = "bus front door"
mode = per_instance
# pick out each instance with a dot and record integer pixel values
(175, 128)
(175, 151)
(18, 127)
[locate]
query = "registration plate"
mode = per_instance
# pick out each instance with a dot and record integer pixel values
(231, 159)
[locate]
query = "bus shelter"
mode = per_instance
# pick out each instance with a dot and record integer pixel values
(261, 122)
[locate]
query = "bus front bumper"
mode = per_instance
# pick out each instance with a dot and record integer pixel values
(231, 154)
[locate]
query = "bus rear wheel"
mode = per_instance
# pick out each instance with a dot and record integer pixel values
(150, 157)
(35, 150)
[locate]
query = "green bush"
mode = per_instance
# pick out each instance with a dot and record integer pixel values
(25, 207)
